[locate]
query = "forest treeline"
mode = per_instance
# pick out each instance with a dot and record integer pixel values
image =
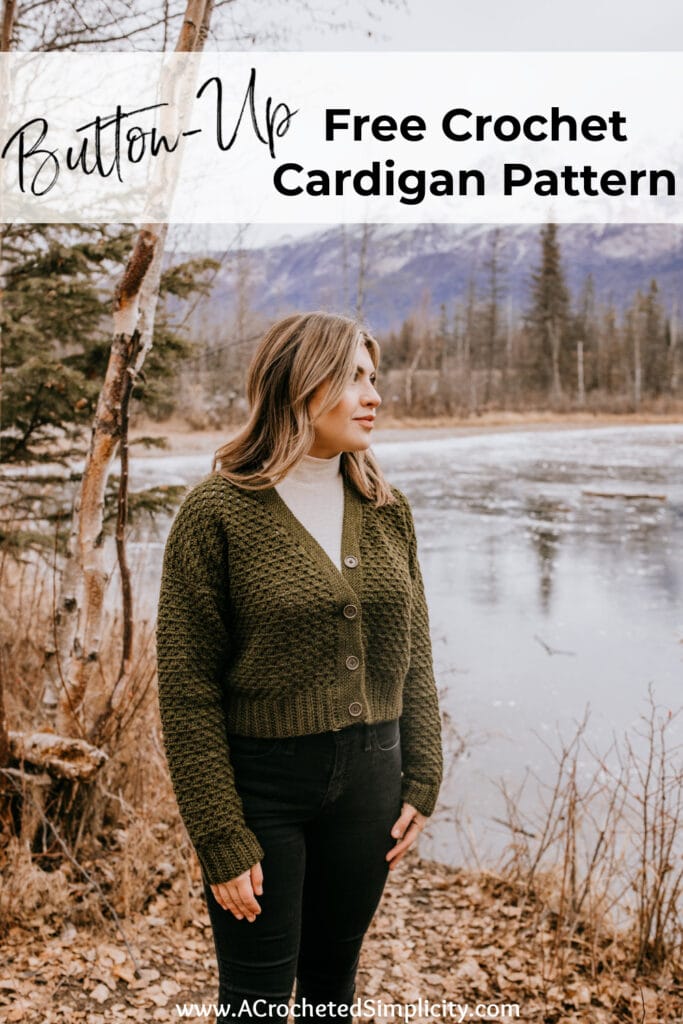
(55, 322)
(550, 349)
(560, 351)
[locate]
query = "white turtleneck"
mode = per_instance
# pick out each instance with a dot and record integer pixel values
(314, 492)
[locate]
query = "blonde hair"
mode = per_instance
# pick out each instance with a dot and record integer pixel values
(292, 359)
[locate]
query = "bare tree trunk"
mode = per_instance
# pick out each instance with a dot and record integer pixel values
(121, 524)
(64, 626)
(581, 387)
(507, 364)
(5, 758)
(492, 268)
(469, 348)
(8, 13)
(422, 330)
(195, 26)
(9, 9)
(3, 264)
(637, 362)
(410, 373)
(4, 734)
(673, 350)
(82, 700)
(554, 339)
(345, 303)
(600, 348)
(363, 269)
(243, 275)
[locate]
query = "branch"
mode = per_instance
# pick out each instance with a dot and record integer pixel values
(92, 881)
(8, 12)
(63, 757)
(553, 650)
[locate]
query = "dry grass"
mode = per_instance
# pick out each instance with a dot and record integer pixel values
(109, 865)
(602, 853)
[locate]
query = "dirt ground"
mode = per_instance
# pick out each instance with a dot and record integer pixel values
(441, 934)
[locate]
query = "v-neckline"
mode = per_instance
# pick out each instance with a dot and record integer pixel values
(350, 538)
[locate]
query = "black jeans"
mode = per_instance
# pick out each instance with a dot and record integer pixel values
(322, 807)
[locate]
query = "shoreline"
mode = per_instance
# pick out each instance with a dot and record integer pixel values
(180, 440)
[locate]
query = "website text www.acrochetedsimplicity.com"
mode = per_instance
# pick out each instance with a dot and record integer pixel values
(443, 1009)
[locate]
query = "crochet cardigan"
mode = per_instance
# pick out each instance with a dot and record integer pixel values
(259, 633)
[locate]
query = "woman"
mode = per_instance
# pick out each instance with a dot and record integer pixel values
(296, 690)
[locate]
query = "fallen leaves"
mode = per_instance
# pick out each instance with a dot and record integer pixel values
(439, 934)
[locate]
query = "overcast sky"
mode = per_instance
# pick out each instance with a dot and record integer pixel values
(483, 25)
(452, 26)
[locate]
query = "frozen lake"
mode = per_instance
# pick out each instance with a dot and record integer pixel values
(543, 597)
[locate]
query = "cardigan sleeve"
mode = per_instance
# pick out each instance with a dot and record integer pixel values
(420, 723)
(193, 644)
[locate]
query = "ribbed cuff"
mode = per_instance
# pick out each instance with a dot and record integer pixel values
(421, 795)
(229, 856)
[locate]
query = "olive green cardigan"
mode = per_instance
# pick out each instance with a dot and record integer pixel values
(259, 633)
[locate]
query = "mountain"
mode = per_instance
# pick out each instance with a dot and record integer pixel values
(410, 265)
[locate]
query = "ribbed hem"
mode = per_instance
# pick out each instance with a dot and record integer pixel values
(313, 710)
(421, 795)
(227, 857)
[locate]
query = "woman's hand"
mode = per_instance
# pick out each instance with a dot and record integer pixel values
(405, 830)
(238, 895)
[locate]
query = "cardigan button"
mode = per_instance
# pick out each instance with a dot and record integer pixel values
(350, 561)
(352, 662)
(350, 611)
(355, 708)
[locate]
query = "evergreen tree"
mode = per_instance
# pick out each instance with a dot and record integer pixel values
(442, 339)
(491, 312)
(53, 327)
(613, 372)
(655, 342)
(405, 344)
(633, 337)
(470, 347)
(56, 326)
(586, 331)
(56, 330)
(548, 315)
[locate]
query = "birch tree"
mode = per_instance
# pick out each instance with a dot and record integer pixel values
(80, 615)
(8, 12)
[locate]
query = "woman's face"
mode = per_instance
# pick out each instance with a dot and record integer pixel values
(347, 426)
